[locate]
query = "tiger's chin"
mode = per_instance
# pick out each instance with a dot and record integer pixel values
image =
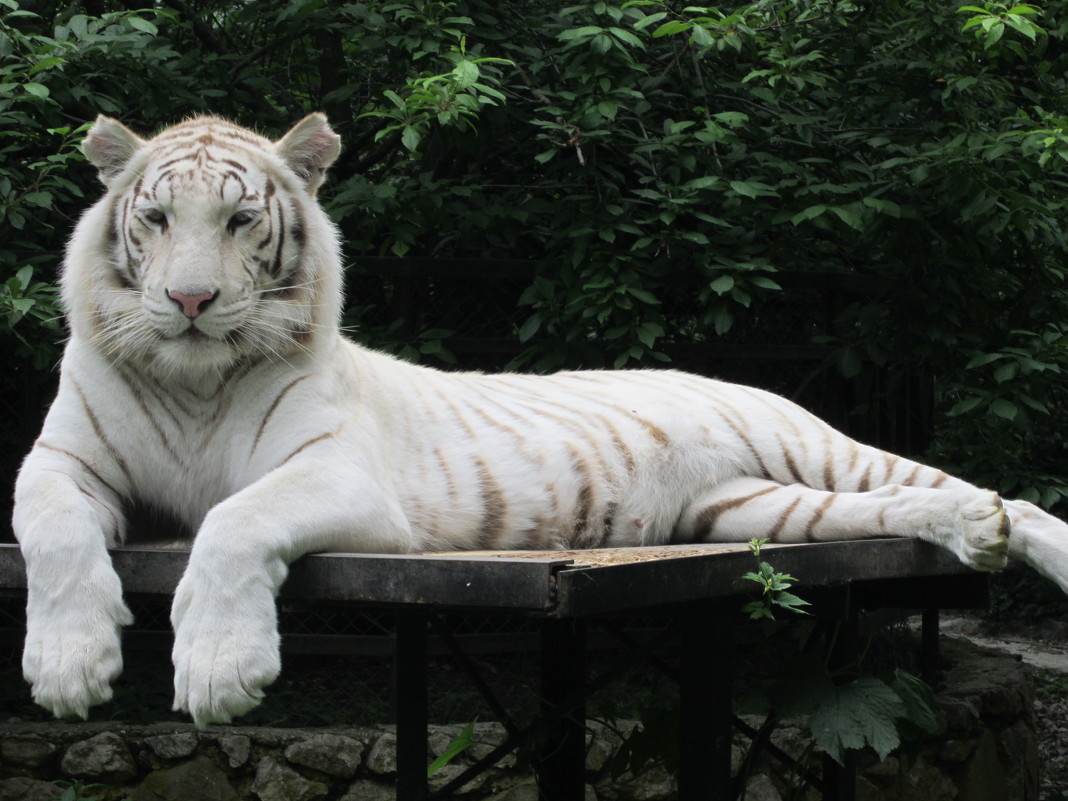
(194, 353)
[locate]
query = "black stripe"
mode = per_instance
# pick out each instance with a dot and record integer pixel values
(276, 268)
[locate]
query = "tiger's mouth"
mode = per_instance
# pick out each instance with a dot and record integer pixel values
(194, 334)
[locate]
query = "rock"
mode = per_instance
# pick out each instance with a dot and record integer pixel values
(984, 777)
(276, 782)
(449, 772)
(655, 784)
(382, 758)
(924, 782)
(196, 780)
(526, 790)
(485, 738)
(760, 788)
(237, 748)
(994, 679)
(956, 750)
(28, 750)
(172, 746)
(793, 739)
(866, 791)
(737, 759)
(884, 773)
(327, 753)
(104, 757)
(1017, 748)
(439, 738)
(598, 752)
(366, 790)
(23, 789)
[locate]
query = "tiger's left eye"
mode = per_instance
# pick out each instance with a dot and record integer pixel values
(240, 218)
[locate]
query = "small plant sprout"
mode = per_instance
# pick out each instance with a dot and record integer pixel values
(773, 586)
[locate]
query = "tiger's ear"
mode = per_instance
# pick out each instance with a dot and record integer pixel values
(109, 146)
(309, 149)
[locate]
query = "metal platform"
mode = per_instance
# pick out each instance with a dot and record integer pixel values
(687, 583)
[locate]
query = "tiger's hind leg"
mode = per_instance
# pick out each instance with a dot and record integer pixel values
(969, 522)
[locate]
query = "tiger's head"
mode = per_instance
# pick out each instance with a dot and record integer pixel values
(208, 248)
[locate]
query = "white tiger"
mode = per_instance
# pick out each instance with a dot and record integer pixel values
(206, 375)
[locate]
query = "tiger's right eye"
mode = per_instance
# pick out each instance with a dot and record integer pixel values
(154, 216)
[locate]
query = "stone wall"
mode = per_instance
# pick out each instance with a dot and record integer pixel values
(986, 749)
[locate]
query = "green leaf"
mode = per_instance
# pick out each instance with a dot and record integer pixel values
(41, 200)
(723, 319)
(643, 295)
(1004, 408)
(704, 182)
(994, 35)
(23, 277)
(764, 282)
(966, 405)
(45, 64)
(393, 98)
(143, 25)
(466, 73)
(722, 285)
(857, 714)
(454, 749)
(585, 32)
(410, 137)
(921, 706)
(608, 108)
(807, 214)
(530, 327)
(671, 28)
(753, 189)
(732, 119)
(848, 216)
(983, 359)
(849, 362)
(1006, 372)
(36, 89)
(788, 600)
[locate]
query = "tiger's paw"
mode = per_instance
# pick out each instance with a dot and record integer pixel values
(71, 657)
(226, 651)
(984, 532)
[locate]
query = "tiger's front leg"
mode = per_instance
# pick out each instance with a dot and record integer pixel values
(226, 642)
(74, 606)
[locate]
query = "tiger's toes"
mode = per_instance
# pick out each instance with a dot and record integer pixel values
(218, 679)
(984, 541)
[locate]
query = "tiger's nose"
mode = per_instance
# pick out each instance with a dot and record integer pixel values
(192, 305)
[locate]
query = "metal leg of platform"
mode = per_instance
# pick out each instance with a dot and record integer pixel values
(410, 705)
(929, 643)
(840, 781)
(706, 673)
(561, 764)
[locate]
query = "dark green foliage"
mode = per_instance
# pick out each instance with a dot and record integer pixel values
(636, 150)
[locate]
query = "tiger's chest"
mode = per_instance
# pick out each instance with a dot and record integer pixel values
(178, 448)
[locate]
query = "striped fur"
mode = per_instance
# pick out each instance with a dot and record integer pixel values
(205, 375)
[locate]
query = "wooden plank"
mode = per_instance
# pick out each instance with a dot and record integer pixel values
(443, 580)
(567, 583)
(603, 588)
(452, 580)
